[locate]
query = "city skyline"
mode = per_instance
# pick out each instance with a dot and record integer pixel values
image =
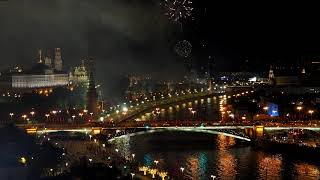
(159, 89)
(105, 31)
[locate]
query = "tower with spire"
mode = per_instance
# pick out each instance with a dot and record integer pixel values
(271, 74)
(47, 60)
(57, 59)
(40, 56)
(92, 96)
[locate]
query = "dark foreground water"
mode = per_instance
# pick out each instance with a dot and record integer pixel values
(203, 155)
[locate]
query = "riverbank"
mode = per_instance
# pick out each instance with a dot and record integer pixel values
(22, 157)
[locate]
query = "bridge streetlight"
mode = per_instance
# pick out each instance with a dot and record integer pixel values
(80, 114)
(190, 109)
(311, 112)
(299, 108)
(193, 118)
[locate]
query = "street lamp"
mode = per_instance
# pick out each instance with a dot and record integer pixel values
(193, 112)
(73, 116)
(182, 169)
(153, 172)
(213, 177)
(265, 108)
(163, 175)
(132, 175)
(47, 115)
(299, 108)
(24, 117)
(101, 119)
(311, 112)
(11, 114)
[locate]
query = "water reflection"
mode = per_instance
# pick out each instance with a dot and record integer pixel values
(306, 171)
(203, 155)
(204, 110)
(192, 166)
(270, 166)
(148, 160)
(226, 161)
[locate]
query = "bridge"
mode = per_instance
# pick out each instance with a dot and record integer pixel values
(132, 112)
(239, 131)
(242, 132)
(235, 133)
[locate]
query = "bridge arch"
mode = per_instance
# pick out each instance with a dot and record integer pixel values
(184, 129)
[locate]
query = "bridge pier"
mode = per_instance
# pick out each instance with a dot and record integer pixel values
(255, 132)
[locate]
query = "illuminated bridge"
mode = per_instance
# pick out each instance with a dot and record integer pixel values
(240, 132)
(132, 113)
(235, 131)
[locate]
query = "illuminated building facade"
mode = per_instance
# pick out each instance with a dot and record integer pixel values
(39, 81)
(40, 77)
(79, 76)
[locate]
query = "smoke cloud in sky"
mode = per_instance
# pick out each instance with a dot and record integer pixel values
(125, 37)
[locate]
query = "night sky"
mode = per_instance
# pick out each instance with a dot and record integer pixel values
(134, 36)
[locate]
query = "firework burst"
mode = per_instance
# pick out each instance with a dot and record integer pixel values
(183, 48)
(177, 10)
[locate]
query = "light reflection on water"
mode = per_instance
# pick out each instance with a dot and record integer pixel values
(204, 155)
(206, 109)
(217, 155)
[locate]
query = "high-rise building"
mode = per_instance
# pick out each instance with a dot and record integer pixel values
(57, 59)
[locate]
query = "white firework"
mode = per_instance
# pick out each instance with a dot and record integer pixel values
(178, 10)
(183, 48)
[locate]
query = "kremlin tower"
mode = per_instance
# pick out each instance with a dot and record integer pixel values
(92, 95)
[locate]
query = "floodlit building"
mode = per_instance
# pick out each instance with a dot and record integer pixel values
(40, 76)
(79, 76)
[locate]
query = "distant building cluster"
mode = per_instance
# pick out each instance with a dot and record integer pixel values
(304, 73)
(43, 77)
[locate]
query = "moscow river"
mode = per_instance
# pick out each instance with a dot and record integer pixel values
(205, 155)
(187, 155)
